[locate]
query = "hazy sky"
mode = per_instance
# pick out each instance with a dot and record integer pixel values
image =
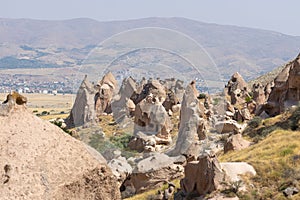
(277, 15)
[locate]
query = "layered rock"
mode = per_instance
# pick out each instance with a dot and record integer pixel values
(83, 112)
(39, 161)
(286, 90)
(192, 125)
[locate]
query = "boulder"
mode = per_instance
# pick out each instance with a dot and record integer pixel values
(234, 170)
(290, 191)
(228, 126)
(120, 168)
(222, 197)
(15, 98)
(235, 142)
(202, 176)
(154, 171)
(147, 143)
(83, 112)
(192, 126)
(40, 161)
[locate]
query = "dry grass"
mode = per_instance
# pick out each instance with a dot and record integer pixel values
(148, 194)
(106, 122)
(276, 160)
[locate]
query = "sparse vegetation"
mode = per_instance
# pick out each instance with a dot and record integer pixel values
(121, 141)
(202, 96)
(276, 161)
(255, 122)
(59, 124)
(232, 188)
(216, 101)
(151, 193)
(248, 99)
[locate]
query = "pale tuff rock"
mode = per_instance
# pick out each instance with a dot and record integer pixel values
(286, 90)
(151, 118)
(235, 142)
(83, 112)
(153, 88)
(106, 90)
(147, 143)
(192, 126)
(154, 171)
(122, 106)
(228, 126)
(234, 170)
(202, 176)
(13, 99)
(120, 168)
(236, 88)
(40, 161)
(259, 95)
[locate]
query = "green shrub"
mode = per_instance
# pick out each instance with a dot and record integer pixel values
(202, 96)
(121, 141)
(45, 112)
(248, 99)
(216, 101)
(255, 122)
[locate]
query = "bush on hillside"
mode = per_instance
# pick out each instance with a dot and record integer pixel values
(255, 122)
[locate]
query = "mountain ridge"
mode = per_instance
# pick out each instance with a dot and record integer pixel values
(250, 51)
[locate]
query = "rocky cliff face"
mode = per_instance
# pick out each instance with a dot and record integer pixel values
(286, 90)
(39, 161)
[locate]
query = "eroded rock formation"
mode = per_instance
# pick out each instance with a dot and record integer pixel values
(106, 89)
(122, 105)
(39, 161)
(202, 176)
(286, 90)
(192, 125)
(237, 89)
(83, 111)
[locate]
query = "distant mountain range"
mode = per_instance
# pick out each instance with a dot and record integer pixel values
(26, 43)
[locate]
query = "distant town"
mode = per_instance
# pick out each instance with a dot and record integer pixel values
(29, 84)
